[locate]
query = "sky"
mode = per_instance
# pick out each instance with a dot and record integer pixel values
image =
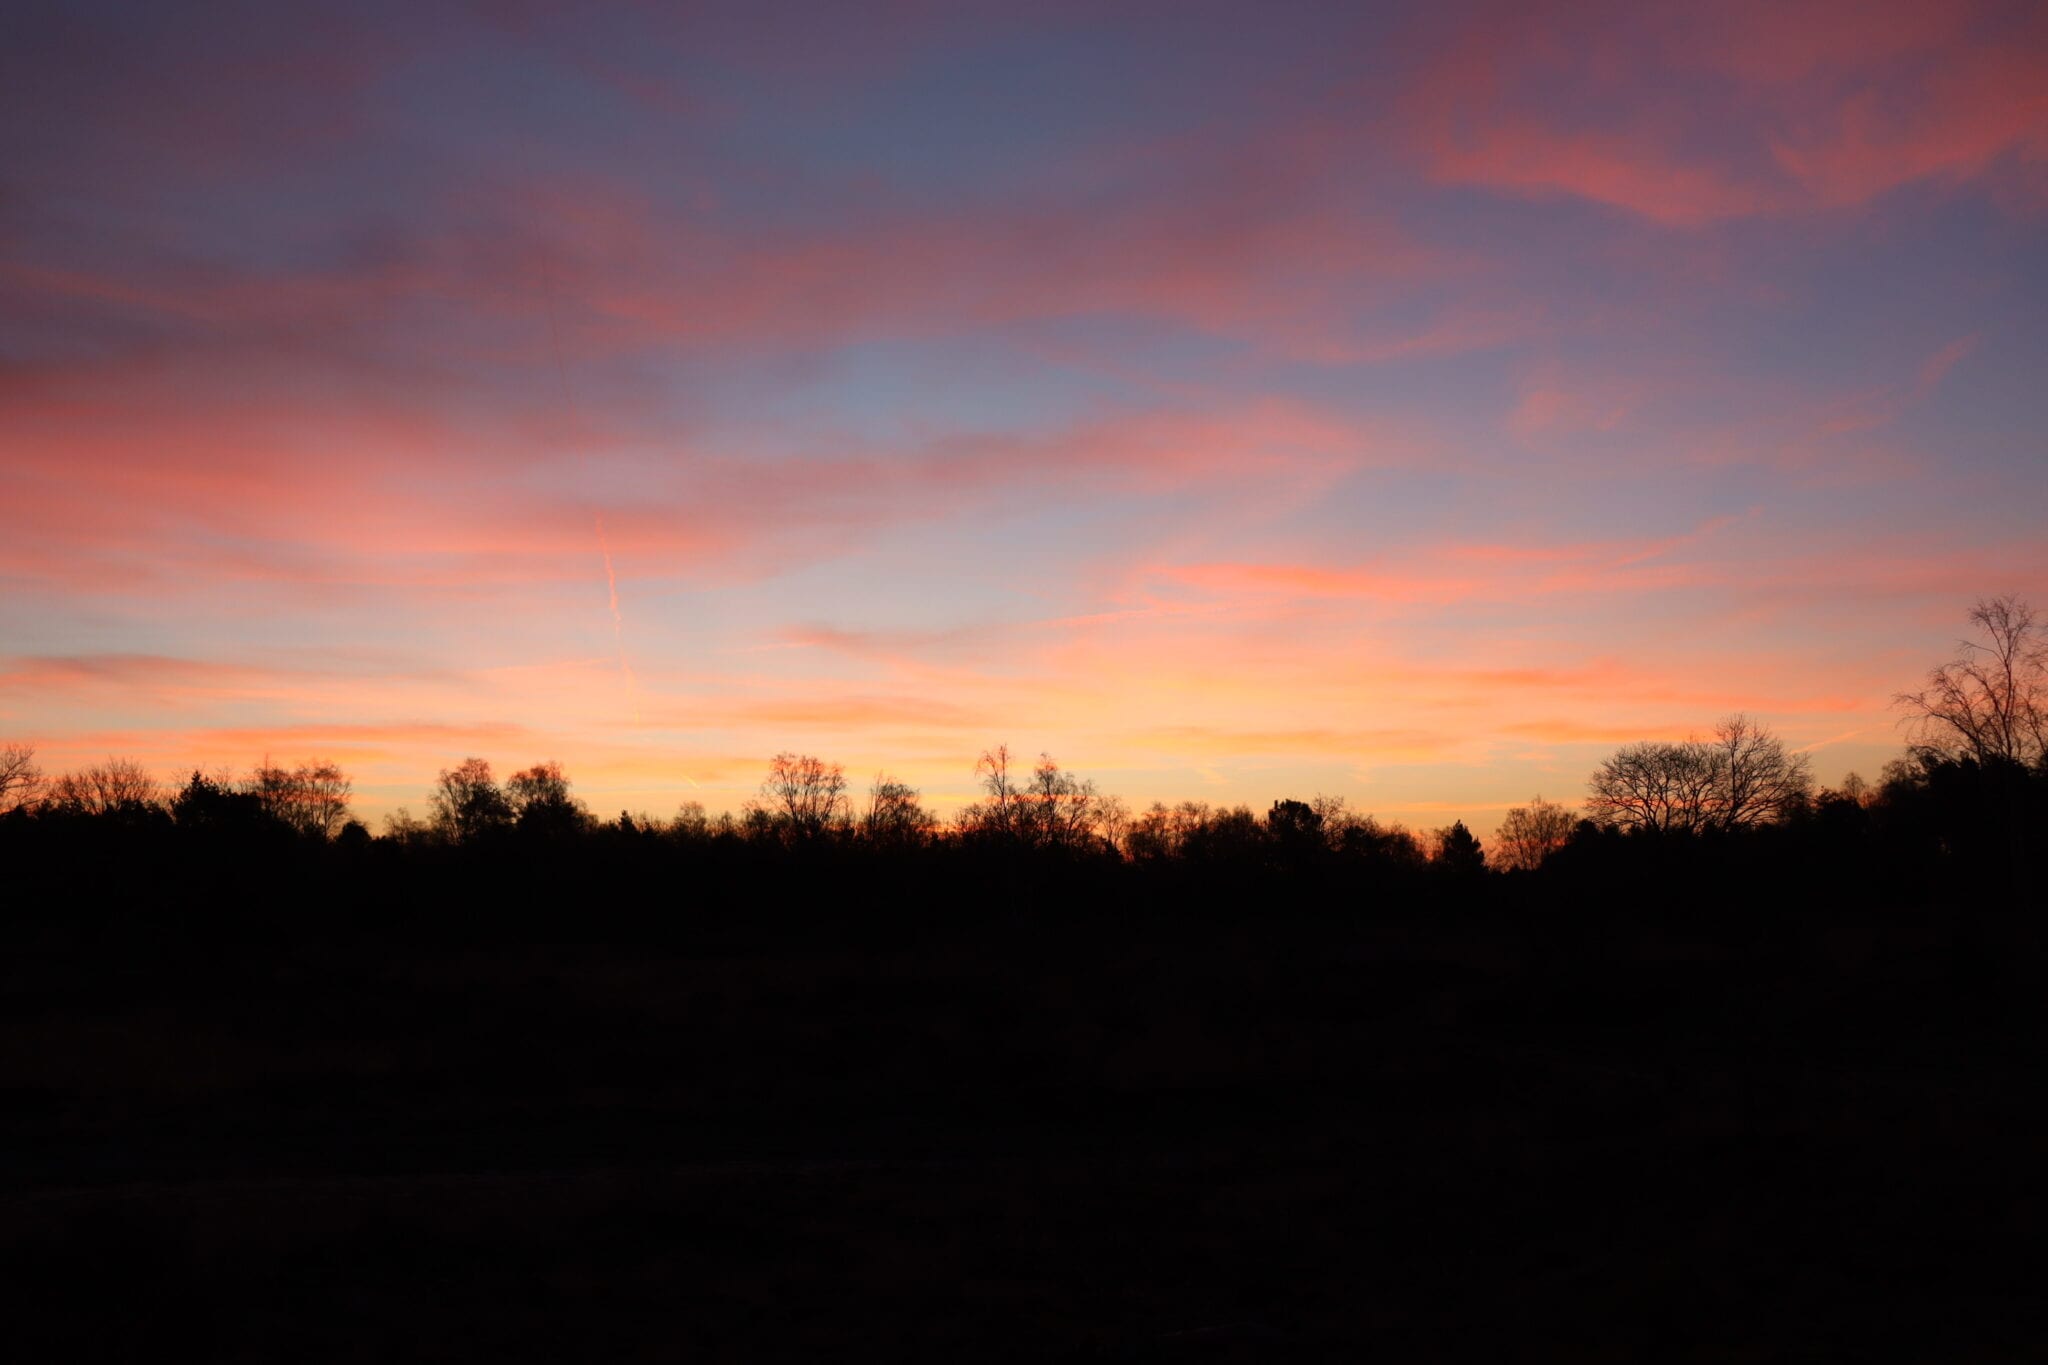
(1405, 402)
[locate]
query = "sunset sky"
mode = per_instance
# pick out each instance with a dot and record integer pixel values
(1238, 401)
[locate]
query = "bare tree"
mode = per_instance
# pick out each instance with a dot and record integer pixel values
(1757, 781)
(324, 792)
(1355, 834)
(115, 785)
(1113, 819)
(1656, 786)
(1154, 834)
(467, 802)
(20, 778)
(1050, 809)
(1990, 702)
(1001, 814)
(691, 824)
(311, 798)
(1529, 834)
(1058, 808)
(1743, 776)
(804, 797)
(403, 827)
(894, 817)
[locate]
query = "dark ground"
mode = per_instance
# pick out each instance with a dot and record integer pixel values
(1274, 1139)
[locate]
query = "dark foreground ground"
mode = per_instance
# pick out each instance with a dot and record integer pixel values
(1329, 1138)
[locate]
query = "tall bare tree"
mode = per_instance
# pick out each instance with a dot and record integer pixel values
(1758, 781)
(1990, 702)
(803, 796)
(20, 778)
(1001, 813)
(1113, 820)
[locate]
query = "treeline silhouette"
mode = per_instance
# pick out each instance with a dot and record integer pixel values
(1722, 825)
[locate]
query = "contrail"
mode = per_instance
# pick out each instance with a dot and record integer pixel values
(611, 583)
(604, 541)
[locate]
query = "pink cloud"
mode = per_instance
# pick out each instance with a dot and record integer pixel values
(135, 472)
(1937, 366)
(1969, 108)
(1688, 119)
(1632, 173)
(1233, 244)
(1222, 258)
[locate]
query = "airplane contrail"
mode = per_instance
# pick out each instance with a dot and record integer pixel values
(604, 542)
(611, 583)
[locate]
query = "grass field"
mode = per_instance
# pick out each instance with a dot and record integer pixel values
(1287, 1141)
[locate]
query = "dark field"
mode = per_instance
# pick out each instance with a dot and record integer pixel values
(1133, 1137)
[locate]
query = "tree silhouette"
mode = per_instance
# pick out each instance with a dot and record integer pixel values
(1361, 838)
(1000, 815)
(541, 801)
(20, 778)
(1743, 776)
(1654, 786)
(804, 798)
(217, 803)
(119, 784)
(1050, 809)
(894, 817)
(1295, 824)
(1155, 834)
(1458, 852)
(1757, 781)
(1529, 834)
(311, 798)
(1058, 809)
(1990, 702)
(1113, 821)
(467, 803)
